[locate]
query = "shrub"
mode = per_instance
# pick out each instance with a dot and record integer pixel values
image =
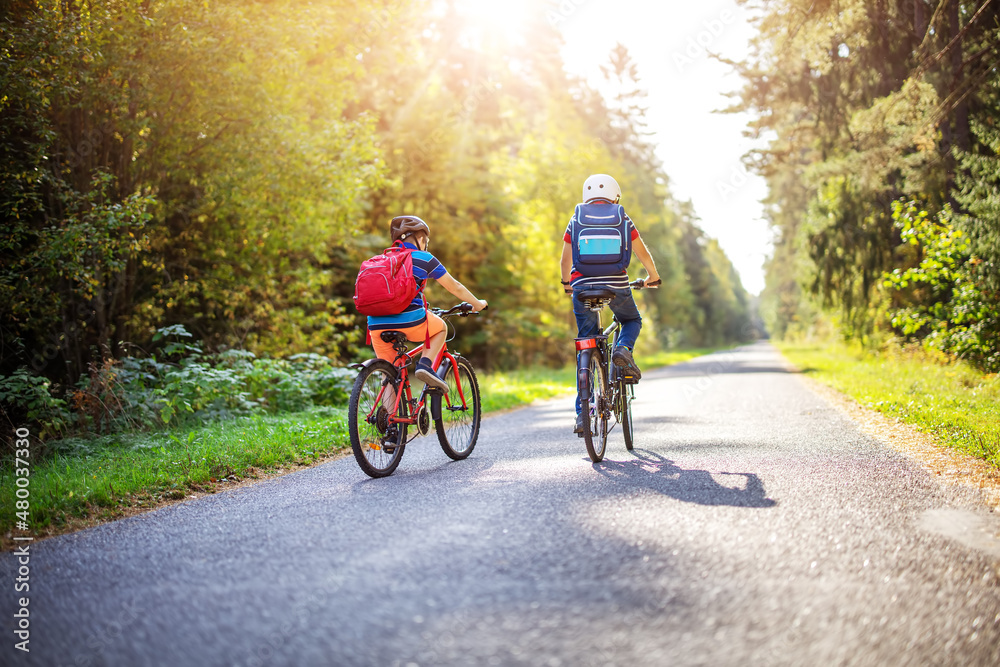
(24, 396)
(194, 386)
(946, 304)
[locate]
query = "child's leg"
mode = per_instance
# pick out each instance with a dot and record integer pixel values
(624, 308)
(438, 334)
(383, 350)
(435, 330)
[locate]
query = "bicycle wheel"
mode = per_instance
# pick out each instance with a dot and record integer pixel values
(595, 425)
(625, 410)
(458, 427)
(378, 446)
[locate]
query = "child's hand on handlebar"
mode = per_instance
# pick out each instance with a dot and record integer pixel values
(478, 305)
(649, 282)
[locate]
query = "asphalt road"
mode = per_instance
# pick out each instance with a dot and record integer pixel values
(752, 525)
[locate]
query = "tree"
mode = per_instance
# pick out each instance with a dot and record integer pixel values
(864, 102)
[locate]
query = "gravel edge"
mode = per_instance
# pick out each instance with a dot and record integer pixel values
(945, 464)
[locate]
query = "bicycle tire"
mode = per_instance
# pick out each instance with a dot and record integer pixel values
(625, 398)
(595, 426)
(376, 455)
(458, 428)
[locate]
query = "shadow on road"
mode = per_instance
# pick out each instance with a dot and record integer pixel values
(652, 471)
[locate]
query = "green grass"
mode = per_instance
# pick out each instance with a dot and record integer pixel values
(103, 478)
(671, 357)
(502, 391)
(954, 403)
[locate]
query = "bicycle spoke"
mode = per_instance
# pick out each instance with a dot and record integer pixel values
(377, 444)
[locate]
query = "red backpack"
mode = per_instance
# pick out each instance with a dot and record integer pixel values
(385, 284)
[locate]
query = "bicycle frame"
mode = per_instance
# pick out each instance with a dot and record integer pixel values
(587, 347)
(401, 362)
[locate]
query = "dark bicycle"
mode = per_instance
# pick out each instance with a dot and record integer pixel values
(382, 406)
(605, 390)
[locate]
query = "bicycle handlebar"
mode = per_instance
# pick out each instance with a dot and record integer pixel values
(462, 310)
(641, 284)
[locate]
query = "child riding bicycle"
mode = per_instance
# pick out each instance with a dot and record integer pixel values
(598, 246)
(415, 322)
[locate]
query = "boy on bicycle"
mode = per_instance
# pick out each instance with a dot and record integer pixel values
(415, 321)
(598, 246)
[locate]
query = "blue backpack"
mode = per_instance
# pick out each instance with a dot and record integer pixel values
(602, 245)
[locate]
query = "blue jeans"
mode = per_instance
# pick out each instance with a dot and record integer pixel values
(588, 323)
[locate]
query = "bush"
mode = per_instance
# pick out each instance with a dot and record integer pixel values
(26, 397)
(181, 384)
(195, 386)
(948, 307)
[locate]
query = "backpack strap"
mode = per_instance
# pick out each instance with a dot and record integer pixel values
(626, 235)
(427, 323)
(574, 235)
(399, 247)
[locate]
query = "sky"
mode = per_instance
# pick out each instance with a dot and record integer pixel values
(701, 151)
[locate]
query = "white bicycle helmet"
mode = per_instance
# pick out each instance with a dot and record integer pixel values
(603, 186)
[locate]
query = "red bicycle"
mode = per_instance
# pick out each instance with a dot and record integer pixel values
(382, 407)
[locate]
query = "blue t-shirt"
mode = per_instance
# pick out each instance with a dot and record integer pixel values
(425, 265)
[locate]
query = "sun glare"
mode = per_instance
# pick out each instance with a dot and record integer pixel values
(508, 19)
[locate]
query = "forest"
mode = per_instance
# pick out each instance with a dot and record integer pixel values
(188, 187)
(879, 123)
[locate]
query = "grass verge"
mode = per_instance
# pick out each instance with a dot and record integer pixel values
(671, 357)
(512, 389)
(88, 481)
(957, 405)
(502, 391)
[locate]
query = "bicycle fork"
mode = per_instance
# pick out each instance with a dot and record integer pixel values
(449, 402)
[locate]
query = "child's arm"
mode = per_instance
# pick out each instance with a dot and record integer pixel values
(640, 250)
(566, 266)
(461, 291)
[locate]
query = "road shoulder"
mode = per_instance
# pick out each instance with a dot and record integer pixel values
(945, 464)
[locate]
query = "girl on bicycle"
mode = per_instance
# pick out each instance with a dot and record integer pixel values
(415, 322)
(598, 246)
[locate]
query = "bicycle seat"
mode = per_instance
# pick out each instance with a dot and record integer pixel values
(599, 294)
(394, 337)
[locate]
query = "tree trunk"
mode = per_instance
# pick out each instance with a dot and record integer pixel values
(960, 137)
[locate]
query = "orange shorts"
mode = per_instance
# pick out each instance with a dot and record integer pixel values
(416, 333)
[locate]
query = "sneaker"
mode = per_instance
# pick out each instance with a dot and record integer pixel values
(579, 424)
(622, 358)
(425, 373)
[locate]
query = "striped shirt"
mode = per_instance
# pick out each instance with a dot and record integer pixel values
(616, 281)
(425, 265)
